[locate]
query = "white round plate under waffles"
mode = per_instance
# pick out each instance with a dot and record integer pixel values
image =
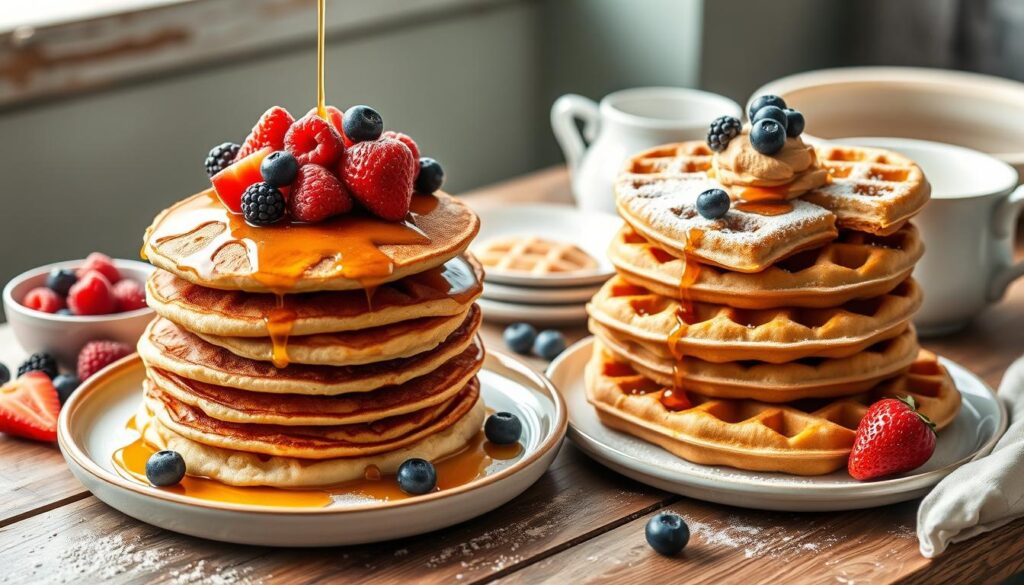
(590, 231)
(540, 296)
(502, 312)
(979, 424)
(92, 427)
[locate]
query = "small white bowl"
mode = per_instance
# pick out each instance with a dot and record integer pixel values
(63, 336)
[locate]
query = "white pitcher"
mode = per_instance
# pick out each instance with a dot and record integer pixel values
(625, 123)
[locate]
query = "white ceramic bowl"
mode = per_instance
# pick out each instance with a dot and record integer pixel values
(63, 336)
(980, 112)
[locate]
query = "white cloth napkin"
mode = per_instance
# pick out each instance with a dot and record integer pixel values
(984, 494)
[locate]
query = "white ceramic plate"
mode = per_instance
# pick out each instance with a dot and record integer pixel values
(502, 312)
(590, 230)
(539, 296)
(91, 428)
(973, 433)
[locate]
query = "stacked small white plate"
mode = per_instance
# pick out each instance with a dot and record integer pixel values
(554, 298)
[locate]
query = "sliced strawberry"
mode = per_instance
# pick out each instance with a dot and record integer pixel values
(29, 407)
(269, 131)
(234, 180)
(335, 117)
(379, 174)
(312, 140)
(317, 195)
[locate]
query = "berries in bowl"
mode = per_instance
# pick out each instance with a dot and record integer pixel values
(60, 307)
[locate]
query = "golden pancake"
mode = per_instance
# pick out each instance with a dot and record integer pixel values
(169, 347)
(312, 442)
(199, 240)
(241, 406)
(448, 289)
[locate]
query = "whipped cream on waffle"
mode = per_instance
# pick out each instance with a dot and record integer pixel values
(789, 173)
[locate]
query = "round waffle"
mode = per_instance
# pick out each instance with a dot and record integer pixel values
(448, 289)
(198, 240)
(533, 255)
(719, 333)
(856, 265)
(803, 438)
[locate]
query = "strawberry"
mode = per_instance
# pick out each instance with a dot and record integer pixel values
(893, 437)
(29, 407)
(101, 263)
(234, 180)
(312, 140)
(408, 141)
(92, 295)
(317, 195)
(129, 296)
(97, 355)
(43, 299)
(379, 174)
(334, 116)
(269, 131)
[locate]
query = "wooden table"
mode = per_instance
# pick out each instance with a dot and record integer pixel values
(580, 522)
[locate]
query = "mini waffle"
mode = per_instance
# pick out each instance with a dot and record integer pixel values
(169, 347)
(445, 290)
(719, 333)
(803, 438)
(854, 266)
(533, 255)
(767, 382)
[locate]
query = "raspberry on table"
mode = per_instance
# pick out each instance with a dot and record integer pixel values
(97, 355)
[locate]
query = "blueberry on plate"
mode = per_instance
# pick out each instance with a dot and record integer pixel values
(5, 374)
(765, 100)
(431, 176)
(667, 533)
(362, 123)
(65, 385)
(60, 280)
(549, 344)
(519, 337)
(713, 204)
(771, 113)
(794, 123)
(767, 136)
(503, 428)
(417, 476)
(279, 168)
(165, 468)
(42, 362)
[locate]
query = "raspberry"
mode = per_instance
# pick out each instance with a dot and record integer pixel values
(97, 355)
(408, 141)
(334, 116)
(220, 157)
(269, 131)
(317, 195)
(262, 204)
(102, 264)
(313, 141)
(379, 175)
(92, 295)
(129, 296)
(43, 299)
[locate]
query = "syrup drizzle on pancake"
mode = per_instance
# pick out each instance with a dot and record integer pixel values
(675, 398)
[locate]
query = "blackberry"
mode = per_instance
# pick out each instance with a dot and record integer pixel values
(220, 157)
(42, 362)
(262, 204)
(723, 130)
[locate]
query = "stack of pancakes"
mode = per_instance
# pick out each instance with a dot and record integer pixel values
(333, 377)
(759, 339)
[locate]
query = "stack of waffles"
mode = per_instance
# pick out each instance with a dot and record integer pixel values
(758, 339)
(306, 355)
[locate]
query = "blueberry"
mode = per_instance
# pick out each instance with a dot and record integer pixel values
(713, 203)
(5, 374)
(431, 176)
(794, 123)
(771, 113)
(279, 168)
(667, 533)
(767, 136)
(417, 476)
(165, 468)
(503, 428)
(549, 344)
(362, 123)
(519, 337)
(65, 311)
(65, 385)
(60, 280)
(765, 100)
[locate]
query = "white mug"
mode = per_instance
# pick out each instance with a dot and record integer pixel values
(625, 123)
(968, 229)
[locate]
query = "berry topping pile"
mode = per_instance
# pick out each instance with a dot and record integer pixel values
(95, 288)
(771, 122)
(311, 169)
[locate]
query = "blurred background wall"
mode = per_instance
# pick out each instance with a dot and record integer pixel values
(106, 113)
